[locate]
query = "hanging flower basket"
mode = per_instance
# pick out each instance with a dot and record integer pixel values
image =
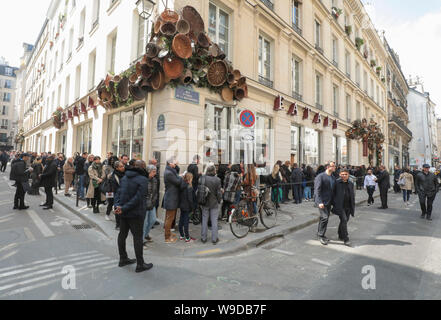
(336, 12)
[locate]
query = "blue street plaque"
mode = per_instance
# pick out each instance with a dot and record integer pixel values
(161, 123)
(187, 94)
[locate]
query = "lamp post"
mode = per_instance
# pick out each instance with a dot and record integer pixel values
(145, 8)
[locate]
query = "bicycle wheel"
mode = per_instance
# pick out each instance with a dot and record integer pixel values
(268, 214)
(237, 223)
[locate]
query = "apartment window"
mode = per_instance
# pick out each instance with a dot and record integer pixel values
(297, 78)
(348, 63)
(5, 124)
(8, 71)
(365, 82)
(4, 110)
(296, 17)
(318, 91)
(143, 27)
(335, 51)
(6, 97)
(95, 13)
(269, 3)
(92, 64)
(77, 82)
(82, 26)
(335, 100)
(358, 111)
(71, 34)
(55, 64)
(378, 96)
(357, 73)
(318, 39)
(8, 84)
(348, 108)
(67, 92)
(59, 96)
(372, 89)
(265, 61)
(111, 45)
(219, 27)
(62, 55)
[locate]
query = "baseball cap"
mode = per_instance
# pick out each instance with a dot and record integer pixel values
(426, 166)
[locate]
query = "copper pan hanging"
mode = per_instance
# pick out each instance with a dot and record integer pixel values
(194, 19)
(151, 50)
(227, 94)
(169, 16)
(203, 40)
(181, 46)
(168, 29)
(182, 26)
(173, 67)
(186, 77)
(158, 80)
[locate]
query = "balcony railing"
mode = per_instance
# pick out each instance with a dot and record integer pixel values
(266, 82)
(297, 96)
(268, 3)
(319, 49)
(400, 123)
(297, 28)
(335, 63)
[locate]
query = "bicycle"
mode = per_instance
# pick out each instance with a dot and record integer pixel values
(243, 218)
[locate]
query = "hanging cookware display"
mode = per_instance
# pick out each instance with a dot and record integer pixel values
(195, 20)
(182, 26)
(203, 40)
(158, 80)
(168, 29)
(227, 94)
(186, 77)
(181, 46)
(173, 67)
(123, 89)
(217, 74)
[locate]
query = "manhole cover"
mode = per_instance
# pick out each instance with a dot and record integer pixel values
(82, 226)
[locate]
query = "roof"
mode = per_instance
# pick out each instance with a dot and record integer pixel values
(3, 71)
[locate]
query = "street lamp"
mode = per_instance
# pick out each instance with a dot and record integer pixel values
(145, 8)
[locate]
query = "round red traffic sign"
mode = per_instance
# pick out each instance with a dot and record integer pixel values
(247, 118)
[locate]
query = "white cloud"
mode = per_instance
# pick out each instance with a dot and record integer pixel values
(418, 43)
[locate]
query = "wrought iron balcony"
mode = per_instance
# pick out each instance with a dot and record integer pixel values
(297, 28)
(268, 3)
(297, 96)
(266, 82)
(400, 124)
(335, 63)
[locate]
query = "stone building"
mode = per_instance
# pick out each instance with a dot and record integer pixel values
(8, 115)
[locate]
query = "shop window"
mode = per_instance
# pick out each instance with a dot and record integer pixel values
(126, 133)
(84, 138)
(311, 154)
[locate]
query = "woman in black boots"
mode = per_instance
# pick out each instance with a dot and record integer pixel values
(96, 175)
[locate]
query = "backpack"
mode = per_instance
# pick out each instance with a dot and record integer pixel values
(202, 193)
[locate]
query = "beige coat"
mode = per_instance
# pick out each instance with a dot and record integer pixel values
(93, 174)
(409, 181)
(69, 171)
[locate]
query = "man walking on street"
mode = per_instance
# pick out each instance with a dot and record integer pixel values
(19, 173)
(4, 161)
(323, 187)
(79, 171)
(131, 205)
(49, 180)
(370, 185)
(426, 185)
(343, 204)
(383, 181)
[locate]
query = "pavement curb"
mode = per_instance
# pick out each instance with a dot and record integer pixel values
(83, 217)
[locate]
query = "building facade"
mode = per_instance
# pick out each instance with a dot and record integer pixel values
(398, 117)
(438, 133)
(319, 57)
(423, 124)
(8, 115)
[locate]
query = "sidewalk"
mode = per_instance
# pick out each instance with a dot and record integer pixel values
(291, 218)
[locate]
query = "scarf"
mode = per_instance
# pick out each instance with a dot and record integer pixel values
(98, 168)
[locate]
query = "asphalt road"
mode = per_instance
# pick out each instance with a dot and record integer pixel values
(402, 252)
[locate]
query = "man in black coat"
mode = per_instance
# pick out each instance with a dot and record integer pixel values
(48, 181)
(397, 173)
(343, 203)
(172, 182)
(131, 205)
(4, 161)
(383, 180)
(323, 188)
(297, 180)
(20, 174)
(426, 185)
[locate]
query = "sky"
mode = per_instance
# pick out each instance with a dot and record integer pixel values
(21, 21)
(413, 30)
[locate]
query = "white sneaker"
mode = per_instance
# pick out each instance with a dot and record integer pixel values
(107, 218)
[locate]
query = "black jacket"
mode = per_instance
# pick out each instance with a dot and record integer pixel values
(338, 197)
(152, 193)
(383, 180)
(79, 165)
(426, 184)
(186, 200)
(194, 170)
(286, 173)
(309, 177)
(323, 188)
(214, 185)
(172, 182)
(132, 194)
(115, 180)
(4, 157)
(18, 171)
(297, 176)
(49, 175)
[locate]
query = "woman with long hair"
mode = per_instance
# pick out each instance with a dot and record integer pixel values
(275, 180)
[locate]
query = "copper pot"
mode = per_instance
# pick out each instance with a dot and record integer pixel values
(194, 19)
(182, 26)
(186, 77)
(144, 85)
(173, 67)
(203, 40)
(133, 77)
(157, 26)
(230, 78)
(169, 16)
(123, 89)
(152, 50)
(137, 93)
(227, 94)
(146, 71)
(239, 93)
(241, 81)
(182, 46)
(158, 81)
(138, 69)
(237, 75)
(168, 28)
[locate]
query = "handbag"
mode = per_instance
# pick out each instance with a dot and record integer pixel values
(402, 181)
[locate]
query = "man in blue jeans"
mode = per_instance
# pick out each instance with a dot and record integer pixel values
(152, 195)
(79, 171)
(297, 180)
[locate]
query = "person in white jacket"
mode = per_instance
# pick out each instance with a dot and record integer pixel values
(370, 184)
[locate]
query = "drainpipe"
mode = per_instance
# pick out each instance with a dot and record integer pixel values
(149, 126)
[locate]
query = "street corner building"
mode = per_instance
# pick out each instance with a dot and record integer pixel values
(8, 114)
(249, 80)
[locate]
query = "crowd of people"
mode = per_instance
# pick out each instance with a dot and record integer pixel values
(131, 190)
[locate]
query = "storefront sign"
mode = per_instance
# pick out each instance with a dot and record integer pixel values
(247, 135)
(161, 123)
(247, 119)
(187, 94)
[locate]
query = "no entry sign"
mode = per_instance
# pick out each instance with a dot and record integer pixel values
(247, 119)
